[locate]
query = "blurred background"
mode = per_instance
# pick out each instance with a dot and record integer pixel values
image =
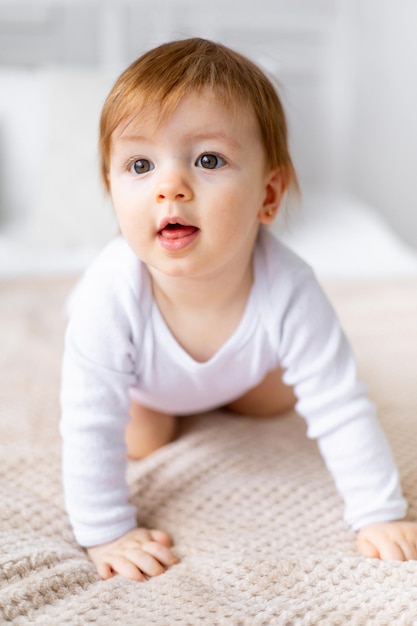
(347, 71)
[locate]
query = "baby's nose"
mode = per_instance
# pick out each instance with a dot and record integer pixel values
(173, 186)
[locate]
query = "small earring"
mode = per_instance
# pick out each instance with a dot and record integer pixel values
(269, 213)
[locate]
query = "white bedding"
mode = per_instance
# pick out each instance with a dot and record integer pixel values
(345, 238)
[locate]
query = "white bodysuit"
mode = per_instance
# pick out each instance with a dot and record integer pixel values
(119, 347)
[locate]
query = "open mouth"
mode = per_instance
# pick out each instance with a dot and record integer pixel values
(174, 234)
(177, 231)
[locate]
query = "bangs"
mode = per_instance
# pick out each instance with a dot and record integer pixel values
(164, 79)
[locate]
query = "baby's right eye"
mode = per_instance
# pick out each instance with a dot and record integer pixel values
(141, 166)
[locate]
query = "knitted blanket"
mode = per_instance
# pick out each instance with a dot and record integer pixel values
(254, 515)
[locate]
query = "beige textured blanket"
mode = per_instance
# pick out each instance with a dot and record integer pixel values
(255, 517)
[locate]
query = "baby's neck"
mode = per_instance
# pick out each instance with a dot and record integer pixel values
(217, 306)
(211, 293)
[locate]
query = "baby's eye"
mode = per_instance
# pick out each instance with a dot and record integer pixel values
(210, 161)
(141, 166)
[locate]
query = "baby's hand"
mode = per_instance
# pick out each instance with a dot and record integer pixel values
(389, 541)
(137, 555)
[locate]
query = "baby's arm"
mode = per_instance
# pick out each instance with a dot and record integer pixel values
(395, 540)
(103, 336)
(138, 555)
(320, 365)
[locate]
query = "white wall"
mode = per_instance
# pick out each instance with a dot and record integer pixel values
(383, 147)
(22, 141)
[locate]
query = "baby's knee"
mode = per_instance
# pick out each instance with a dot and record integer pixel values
(148, 430)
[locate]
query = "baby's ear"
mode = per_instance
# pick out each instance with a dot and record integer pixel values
(276, 184)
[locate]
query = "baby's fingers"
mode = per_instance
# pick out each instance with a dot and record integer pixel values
(408, 548)
(138, 555)
(161, 552)
(367, 549)
(389, 541)
(146, 563)
(381, 548)
(121, 565)
(160, 536)
(137, 565)
(390, 550)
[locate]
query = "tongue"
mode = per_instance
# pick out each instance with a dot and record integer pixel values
(177, 232)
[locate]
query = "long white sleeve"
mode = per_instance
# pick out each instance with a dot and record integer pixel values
(320, 364)
(96, 375)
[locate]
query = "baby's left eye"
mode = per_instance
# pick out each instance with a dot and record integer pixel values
(210, 161)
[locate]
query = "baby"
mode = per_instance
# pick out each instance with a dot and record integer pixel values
(197, 306)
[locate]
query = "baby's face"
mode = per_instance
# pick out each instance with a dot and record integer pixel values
(189, 191)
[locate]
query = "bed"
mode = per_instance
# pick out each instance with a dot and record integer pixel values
(256, 520)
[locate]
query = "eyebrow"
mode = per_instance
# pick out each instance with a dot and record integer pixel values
(131, 138)
(201, 136)
(219, 136)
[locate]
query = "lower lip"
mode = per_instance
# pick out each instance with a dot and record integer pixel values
(173, 245)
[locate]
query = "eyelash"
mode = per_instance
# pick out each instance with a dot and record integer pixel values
(219, 162)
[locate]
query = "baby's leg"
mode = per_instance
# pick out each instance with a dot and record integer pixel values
(269, 398)
(147, 431)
